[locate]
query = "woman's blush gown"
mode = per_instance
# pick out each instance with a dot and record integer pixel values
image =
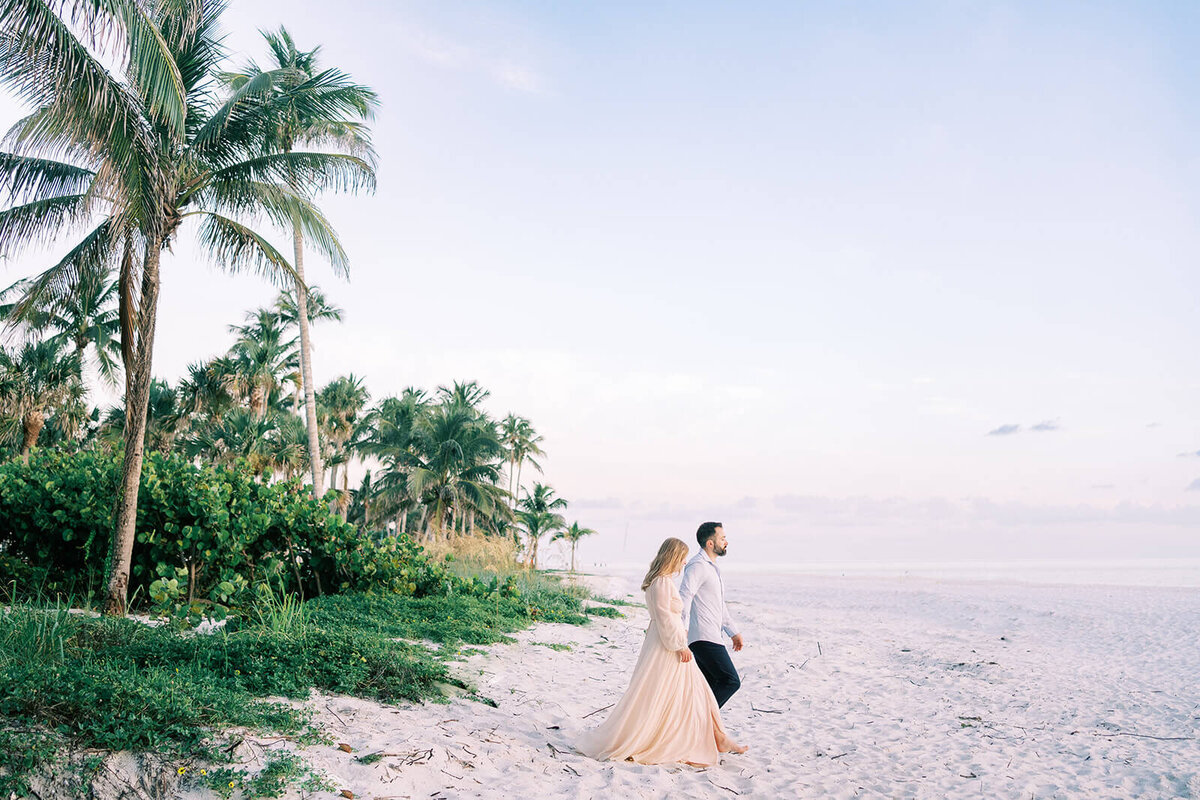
(668, 714)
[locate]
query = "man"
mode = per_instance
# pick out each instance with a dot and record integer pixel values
(706, 615)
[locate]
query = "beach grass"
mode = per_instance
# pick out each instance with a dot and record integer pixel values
(74, 679)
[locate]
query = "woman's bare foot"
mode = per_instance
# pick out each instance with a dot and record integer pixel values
(738, 749)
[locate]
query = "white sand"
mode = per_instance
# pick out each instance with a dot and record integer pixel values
(921, 689)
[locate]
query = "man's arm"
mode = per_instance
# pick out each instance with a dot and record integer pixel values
(692, 578)
(727, 625)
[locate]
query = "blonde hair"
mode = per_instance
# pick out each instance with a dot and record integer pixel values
(670, 558)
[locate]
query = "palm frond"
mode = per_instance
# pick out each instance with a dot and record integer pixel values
(39, 222)
(234, 247)
(285, 207)
(94, 253)
(304, 171)
(24, 178)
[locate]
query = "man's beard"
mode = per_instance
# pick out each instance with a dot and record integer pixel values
(720, 551)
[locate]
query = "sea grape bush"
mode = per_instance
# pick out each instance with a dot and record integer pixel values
(206, 536)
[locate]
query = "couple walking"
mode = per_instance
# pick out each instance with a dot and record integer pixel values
(670, 712)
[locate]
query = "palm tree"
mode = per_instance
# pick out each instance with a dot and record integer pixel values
(456, 457)
(263, 359)
(135, 152)
(35, 379)
(391, 437)
(322, 108)
(538, 517)
(289, 314)
(85, 315)
(342, 403)
(164, 420)
(572, 534)
(522, 441)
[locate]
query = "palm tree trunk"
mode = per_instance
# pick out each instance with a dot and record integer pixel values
(519, 463)
(345, 502)
(32, 424)
(137, 337)
(512, 467)
(310, 396)
(573, 557)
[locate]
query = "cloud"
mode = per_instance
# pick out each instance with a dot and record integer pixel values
(804, 511)
(597, 502)
(517, 77)
(1196, 454)
(1042, 427)
(501, 70)
(1194, 486)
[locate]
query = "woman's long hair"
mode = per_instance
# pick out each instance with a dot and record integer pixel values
(670, 558)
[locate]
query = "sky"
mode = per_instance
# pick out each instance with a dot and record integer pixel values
(871, 281)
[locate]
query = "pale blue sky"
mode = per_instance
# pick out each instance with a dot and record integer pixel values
(784, 264)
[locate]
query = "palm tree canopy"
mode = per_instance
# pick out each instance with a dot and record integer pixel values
(572, 534)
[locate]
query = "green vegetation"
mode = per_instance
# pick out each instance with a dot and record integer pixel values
(186, 501)
(118, 684)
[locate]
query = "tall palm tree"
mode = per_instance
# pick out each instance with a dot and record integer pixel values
(521, 441)
(537, 515)
(572, 534)
(310, 107)
(35, 379)
(134, 152)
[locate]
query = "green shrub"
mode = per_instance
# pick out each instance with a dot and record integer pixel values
(206, 535)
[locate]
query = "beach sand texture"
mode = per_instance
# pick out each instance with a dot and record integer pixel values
(917, 689)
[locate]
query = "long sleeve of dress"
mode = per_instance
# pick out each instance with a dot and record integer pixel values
(665, 621)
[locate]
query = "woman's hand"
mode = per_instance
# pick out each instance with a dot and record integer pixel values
(685, 655)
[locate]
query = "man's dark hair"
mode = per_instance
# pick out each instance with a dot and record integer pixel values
(706, 532)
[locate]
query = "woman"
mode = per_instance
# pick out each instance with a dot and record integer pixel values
(668, 713)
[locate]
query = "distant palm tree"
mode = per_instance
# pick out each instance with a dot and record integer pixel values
(521, 441)
(289, 314)
(537, 515)
(263, 358)
(391, 436)
(164, 420)
(35, 379)
(85, 315)
(572, 534)
(134, 151)
(456, 458)
(310, 107)
(342, 404)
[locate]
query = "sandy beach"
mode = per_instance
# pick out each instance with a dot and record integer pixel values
(852, 687)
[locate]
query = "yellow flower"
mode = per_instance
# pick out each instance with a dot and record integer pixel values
(237, 672)
(232, 784)
(181, 770)
(203, 772)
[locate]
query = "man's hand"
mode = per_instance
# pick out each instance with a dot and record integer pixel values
(737, 642)
(685, 655)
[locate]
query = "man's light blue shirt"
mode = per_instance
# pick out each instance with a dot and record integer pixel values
(703, 594)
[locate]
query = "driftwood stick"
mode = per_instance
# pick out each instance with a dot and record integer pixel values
(598, 710)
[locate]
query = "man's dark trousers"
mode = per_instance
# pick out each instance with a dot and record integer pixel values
(717, 668)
